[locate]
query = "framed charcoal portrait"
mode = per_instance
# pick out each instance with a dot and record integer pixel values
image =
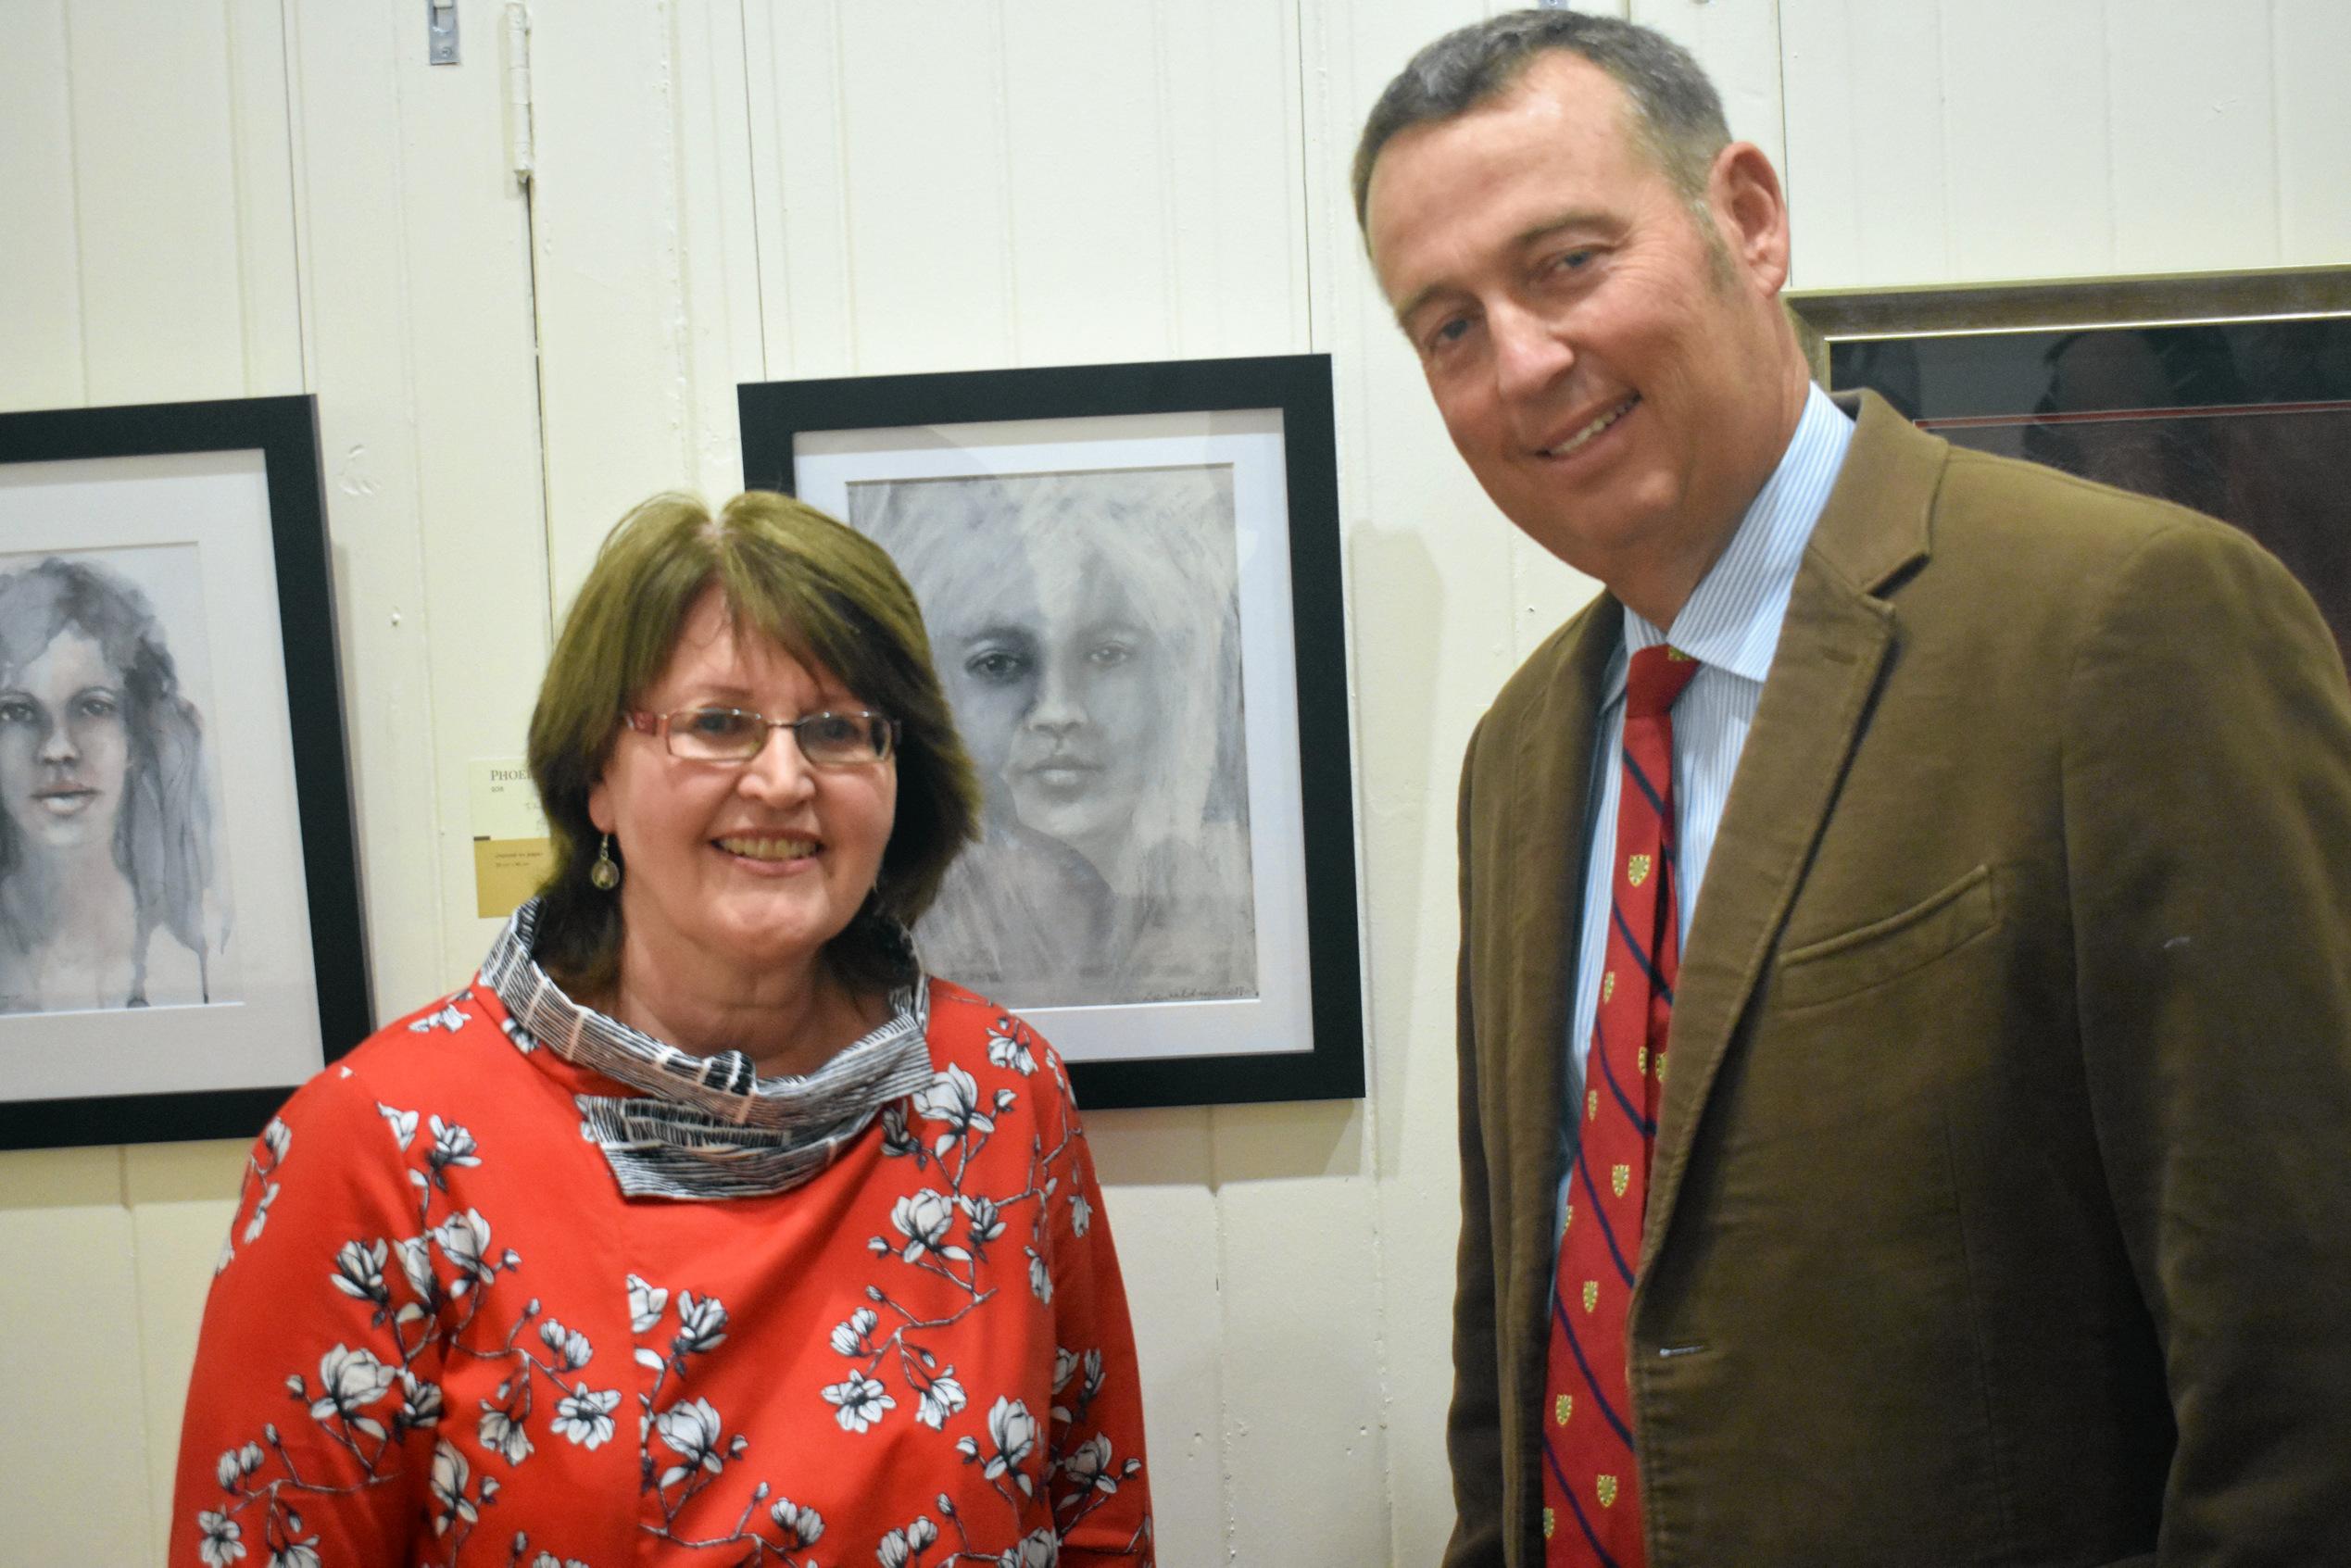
(1130, 577)
(180, 936)
(2230, 393)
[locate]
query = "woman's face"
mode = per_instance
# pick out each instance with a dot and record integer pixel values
(63, 749)
(739, 873)
(1055, 678)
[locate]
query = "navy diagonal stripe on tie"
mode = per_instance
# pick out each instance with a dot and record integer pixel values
(1656, 981)
(1647, 1128)
(1591, 1535)
(1567, 1325)
(1608, 1232)
(1634, 771)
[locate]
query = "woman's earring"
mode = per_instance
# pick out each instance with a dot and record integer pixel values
(605, 875)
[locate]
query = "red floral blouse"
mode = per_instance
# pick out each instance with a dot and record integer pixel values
(441, 1331)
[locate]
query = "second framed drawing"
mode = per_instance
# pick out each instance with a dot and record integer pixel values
(1131, 579)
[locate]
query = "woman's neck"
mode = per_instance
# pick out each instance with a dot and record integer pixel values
(789, 1022)
(82, 955)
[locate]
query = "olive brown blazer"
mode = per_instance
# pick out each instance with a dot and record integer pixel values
(2001, 1211)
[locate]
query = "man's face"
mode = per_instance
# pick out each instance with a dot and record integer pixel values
(1612, 372)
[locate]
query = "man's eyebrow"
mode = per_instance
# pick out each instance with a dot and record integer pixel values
(1525, 239)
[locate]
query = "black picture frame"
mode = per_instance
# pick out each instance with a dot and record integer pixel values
(2227, 392)
(283, 432)
(783, 422)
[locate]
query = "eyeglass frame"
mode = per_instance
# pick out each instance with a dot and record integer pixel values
(647, 722)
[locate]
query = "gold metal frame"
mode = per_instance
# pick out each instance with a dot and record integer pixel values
(1825, 316)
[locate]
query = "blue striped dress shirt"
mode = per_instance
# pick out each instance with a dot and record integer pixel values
(1732, 625)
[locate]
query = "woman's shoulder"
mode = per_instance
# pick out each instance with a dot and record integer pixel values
(992, 1045)
(456, 1051)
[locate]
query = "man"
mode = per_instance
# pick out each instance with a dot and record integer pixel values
(1993, 1208)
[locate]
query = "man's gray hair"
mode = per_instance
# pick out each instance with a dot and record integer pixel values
(1675, 111)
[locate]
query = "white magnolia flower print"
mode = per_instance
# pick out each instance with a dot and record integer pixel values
(691, 1429)
(465, 1241)
(223, 1542)
(1040, 1550)
(897, 1141)
(987, 1218)
(1087, 1466)
(448, 1018)
(277, 1137)
(861, 1401)
(1040, 1278)
(359, 1271)
(952, 1098)
(236, 1464)
(1065, 1367)
(1081, 1214)
(449, 1474)
(349, 1381)
(261, 1212)
(804, 1526)
(584, 1415)
(942, 1399)
(303, 1553)
(419, 1401)
(850, 1338)
(1014, 1431)
(571, 1347)
(900, 1547)
(646, 1305)
(403, 1124)
(924, 1218)
(701, 1323)
(415, 1253)
(502, 1433)
(452, 1145)
(1008, 1047)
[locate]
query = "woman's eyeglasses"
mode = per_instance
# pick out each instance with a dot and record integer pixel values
(736, 735)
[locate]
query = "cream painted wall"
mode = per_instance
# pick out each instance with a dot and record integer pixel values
(248, 196)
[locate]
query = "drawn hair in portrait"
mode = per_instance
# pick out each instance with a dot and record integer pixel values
(112, 890)
(1087, 627)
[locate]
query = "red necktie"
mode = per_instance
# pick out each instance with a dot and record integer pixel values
(1591, 1492)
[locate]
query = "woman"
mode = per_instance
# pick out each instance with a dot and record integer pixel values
(105, 845)
(700, 1227)
(1087, 629)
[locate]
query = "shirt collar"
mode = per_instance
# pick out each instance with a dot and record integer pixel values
(1731, 622)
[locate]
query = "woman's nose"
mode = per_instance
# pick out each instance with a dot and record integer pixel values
(1060, 707)
(57, 743)
(777, 771)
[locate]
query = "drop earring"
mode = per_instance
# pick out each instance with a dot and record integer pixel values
(605, 875)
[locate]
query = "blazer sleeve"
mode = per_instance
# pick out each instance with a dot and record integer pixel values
(1473, 1424)
(2207, 805)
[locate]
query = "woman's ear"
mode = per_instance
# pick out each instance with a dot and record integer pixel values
(599, 805)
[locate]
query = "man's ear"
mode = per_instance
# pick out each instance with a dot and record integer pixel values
(1742, 192)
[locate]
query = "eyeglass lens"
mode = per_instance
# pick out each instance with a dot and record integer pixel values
(735, 735)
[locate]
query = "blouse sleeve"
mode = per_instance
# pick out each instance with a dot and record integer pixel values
(1095, 1474)
(312, 1412)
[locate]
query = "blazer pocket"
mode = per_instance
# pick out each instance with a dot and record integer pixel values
(1890, 948)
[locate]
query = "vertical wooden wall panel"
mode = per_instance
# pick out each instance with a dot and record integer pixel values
(40, 260)
(183, 1197)
(800, 183)
(74, 1444)
(924, 138)
(1866, 139)
(2030, 173)
(2196, 158)
(2310, 42)
(1433, 574)
(1086, 145)
(155, 166)
(261, 149)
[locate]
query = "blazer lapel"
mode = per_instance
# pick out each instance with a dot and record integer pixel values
(1832, 649)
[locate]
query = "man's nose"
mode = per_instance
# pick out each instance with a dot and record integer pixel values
(1532, 352)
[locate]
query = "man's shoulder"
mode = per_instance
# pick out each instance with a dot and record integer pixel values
(2008, 503)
